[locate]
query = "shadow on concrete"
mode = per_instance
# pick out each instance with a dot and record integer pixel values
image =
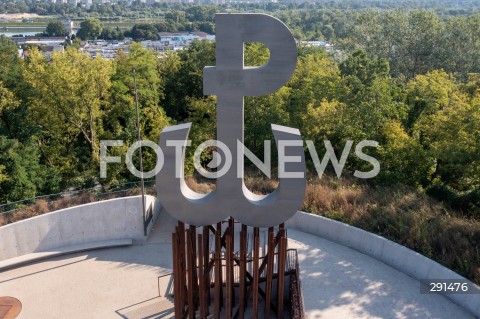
(338, 282)
(148, 309)
(40, 271)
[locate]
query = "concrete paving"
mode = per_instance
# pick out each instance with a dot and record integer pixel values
(124, 282)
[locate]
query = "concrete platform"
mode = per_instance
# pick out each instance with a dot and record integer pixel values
(337, 281)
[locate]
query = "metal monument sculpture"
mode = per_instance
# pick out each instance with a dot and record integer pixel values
(224, 271)
(230, 81)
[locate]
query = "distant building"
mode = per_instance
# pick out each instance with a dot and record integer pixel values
(318, 44)
(47, 50)
(169, 41)
(47, 47)
(173, 41)
(39, 41)
(106, 49)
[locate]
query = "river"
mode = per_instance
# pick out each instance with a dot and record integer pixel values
(10, 34)
(26, 31)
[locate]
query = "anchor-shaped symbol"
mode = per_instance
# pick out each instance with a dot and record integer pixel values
(230, 81)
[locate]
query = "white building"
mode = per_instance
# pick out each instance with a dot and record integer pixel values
(318, 44)
(177, 40)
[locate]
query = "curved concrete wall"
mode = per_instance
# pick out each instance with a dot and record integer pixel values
(99, 221)
(382, 249)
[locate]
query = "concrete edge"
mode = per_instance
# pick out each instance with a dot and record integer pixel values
(157, 209)
(148, 197)
(34, 257)
(394, 255)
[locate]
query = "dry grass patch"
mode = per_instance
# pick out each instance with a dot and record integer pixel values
(404, 215)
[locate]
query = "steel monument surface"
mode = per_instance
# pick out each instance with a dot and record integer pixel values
(230, 81)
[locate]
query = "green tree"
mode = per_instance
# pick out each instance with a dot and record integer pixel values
(203, 116)
(15, 93)
(427, 94)
(328, 32)
(316, 78)
(422, 38)
(120, 120)
(149, 88)
(90, 29)
(445, 122)
(403, 158)
(22, 175)
(143, 31)
(452, 137)
(459, 47)
(260, 113)
(8, 103)
(370, 94)
(56, 29)
(112, 34)
(409, 41)
(3, 176)
(10, 63)
(361, 69)
(187, 81)
(71, 94)
(324, 121)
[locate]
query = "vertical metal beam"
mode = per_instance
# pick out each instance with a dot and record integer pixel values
(193, 239)
(232, 233)
(270, 258)
(282, 259)
(229, 274)
(218, 277)
(219, 231)
(243, 260)
(256, 274)
(201, 275)
(177, 295)
(182, 267)
(190, 276)
(206, 261)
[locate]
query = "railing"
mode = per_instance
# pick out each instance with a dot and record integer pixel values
(23, 209)
(296, 297)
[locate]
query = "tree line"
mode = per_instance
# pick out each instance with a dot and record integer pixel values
(123, 8)
(412, 41)
(53, 115)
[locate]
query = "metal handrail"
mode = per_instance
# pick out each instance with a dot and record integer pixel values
(296, 296)
(4, 208)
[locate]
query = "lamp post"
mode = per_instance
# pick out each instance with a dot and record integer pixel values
(142, 184)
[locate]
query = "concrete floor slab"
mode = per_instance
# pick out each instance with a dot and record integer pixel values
(337, 282)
